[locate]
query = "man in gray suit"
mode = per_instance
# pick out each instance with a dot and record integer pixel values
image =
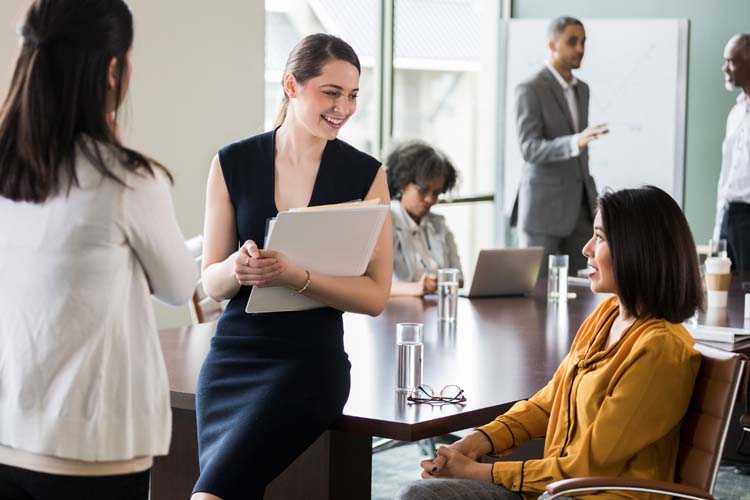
(557, 195)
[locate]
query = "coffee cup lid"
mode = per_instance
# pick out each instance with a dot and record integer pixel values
(718, 265)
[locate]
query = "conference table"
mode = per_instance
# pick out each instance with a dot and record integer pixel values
(501, 350)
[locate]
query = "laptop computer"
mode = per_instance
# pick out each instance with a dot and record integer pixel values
(505, 271)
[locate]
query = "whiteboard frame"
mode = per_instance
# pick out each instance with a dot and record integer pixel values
(502, 226)
(681, 107)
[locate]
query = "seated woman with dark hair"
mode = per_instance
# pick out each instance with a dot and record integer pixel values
(422, 243)
(615, 404)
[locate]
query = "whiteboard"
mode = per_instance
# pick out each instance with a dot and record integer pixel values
(636, 70)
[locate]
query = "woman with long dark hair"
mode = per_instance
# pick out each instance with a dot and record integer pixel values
(272, 383)
(615, 404)
(89, 233)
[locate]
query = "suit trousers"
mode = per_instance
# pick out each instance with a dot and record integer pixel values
(735, 228)
(570, 245)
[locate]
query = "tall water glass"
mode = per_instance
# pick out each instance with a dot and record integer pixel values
(557, 279)
(447, 294)
(717, 248)
(408, 356)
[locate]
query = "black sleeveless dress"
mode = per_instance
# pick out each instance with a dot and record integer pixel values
(272, 383)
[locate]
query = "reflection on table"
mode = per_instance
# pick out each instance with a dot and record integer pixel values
(501, 350)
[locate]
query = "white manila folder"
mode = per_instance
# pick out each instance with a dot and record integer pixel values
(332, 240)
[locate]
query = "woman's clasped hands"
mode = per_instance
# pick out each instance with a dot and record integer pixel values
(265, 268)
(459, 461)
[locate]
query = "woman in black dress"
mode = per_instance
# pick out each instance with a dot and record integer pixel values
(272, 383)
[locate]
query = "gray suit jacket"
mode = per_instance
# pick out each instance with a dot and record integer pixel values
(553, 182)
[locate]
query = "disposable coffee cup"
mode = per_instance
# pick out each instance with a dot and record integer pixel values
(718, 279)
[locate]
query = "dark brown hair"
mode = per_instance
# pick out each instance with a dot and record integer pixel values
(416, 162)
(56, 103)
(654, 258)
(307, 58)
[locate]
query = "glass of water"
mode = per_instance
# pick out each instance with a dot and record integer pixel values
(717, 248)
(447, 294)
(408, 356)
(557, 279)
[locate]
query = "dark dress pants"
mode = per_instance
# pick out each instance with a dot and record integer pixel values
(571, 245)
(735, 228)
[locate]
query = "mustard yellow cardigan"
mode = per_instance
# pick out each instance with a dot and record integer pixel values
(604, 413)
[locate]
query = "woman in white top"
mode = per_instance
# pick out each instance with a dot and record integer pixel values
(89, 232)
(422, 243)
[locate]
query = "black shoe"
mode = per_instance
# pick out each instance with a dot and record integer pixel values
(743, 469)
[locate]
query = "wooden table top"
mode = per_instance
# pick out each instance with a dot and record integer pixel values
(502, 350)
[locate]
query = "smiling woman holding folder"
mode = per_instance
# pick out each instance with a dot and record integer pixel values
(273, 382)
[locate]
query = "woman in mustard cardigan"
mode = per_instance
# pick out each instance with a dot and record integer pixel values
(615, 404)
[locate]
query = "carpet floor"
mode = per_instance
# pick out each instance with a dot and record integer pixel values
(397, 466)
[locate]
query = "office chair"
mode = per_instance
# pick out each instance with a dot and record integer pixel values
(202, 307)
(702, 436)
(745, 425)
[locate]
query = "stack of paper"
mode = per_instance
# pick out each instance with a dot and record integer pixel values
(728, 335)
(337, 240)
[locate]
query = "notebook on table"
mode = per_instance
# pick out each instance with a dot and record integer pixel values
(720, 334)
(505, 271)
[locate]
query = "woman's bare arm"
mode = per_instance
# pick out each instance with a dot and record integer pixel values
(223, 263)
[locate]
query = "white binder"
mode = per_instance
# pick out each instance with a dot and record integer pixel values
(333, 240)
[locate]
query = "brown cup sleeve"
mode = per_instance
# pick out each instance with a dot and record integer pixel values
(718, 281)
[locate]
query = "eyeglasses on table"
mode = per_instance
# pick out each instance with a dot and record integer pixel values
(451, 393)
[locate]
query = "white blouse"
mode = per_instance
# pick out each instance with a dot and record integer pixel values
(421, 248)
(82, 375)
(734, 178)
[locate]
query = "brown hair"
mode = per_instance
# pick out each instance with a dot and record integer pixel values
(654, 259)
(307, 58)
(56, 103)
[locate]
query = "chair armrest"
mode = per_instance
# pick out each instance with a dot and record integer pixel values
(570, 487)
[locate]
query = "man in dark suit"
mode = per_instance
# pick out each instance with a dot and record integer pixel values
(557, 195)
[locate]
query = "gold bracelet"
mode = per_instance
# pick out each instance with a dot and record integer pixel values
(307, 283)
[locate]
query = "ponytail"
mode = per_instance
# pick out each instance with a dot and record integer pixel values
(282, 112)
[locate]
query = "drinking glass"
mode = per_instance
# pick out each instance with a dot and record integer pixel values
(557, 279)
(408, 356)
(717, 248)
(447, 294)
